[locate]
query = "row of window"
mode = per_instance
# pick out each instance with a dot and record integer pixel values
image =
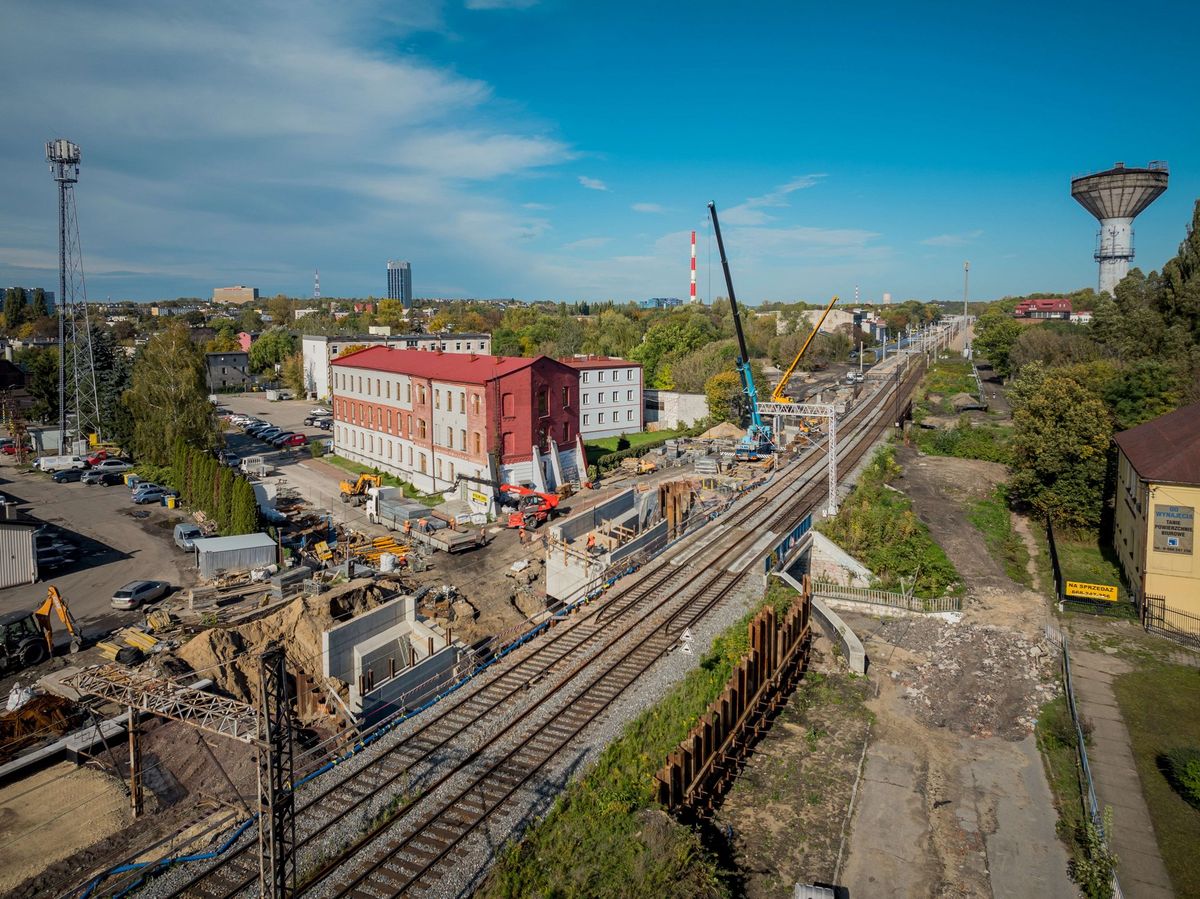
(395, 453)
(368, 415)
(616, 397)
(460, 346)
(614, 375)
(383, 389)
(616, 417)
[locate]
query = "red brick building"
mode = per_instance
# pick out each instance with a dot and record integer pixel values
(1057, 307)
(429, 417)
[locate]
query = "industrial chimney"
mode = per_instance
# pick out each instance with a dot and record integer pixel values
(1116, 197)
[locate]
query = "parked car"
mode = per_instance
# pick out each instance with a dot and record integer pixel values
(67, 475)
(326, 425)
(281, 438)
(50, 559)
(255, 430)
(54, 463)
(268, 434)
(226, 458)
(150, 493)
(315, 420)
(10, 449)
(296, 440)
(135, 593)
(97, 457)
(103, 478)
(185, 534)
(117, 466)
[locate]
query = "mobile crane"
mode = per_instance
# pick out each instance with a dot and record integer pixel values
(778, 395)
(758, 439)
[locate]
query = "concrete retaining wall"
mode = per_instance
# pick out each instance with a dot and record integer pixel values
(569, 529)
(413, 686)
(337, 643)
(835, 629)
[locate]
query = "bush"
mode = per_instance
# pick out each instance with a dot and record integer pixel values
(317, 449)
(622, 443)
(1182, 769)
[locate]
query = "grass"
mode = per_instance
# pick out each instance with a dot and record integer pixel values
(1057, 741)
(1161, 708)
(389, 480)
(878, 527)
(944, 379)
(605, 836)
(989, 443)
(597, 448)
(1082, 557)
(994, 520)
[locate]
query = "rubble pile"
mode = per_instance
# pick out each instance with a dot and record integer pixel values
(975, 680)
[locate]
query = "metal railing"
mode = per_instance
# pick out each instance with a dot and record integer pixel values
(876, 597)
(1093, 807)
(1175, 624)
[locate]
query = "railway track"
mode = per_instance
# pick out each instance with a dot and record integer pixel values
(592, 659)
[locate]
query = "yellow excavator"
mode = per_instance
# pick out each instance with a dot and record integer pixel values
(27, 638)
(357, 490)
(778, 395)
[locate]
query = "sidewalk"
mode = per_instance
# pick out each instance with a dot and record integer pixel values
(1140, 868)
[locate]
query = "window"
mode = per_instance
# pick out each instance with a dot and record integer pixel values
(629, 415)
(543, 402)
(390, 420)
(421, 394)
(462, 402)
(421, 431)
(587, 398)
(585, 377)
(408, 392)
(439, 468)
(458, 345)
(600, 376)
(629, 396)
(616, 396)
(437, 399)
(389, 390)
(566, 397)
(408, 430)
(450, 438)
(509, 443)
(600, 418)
(389, 443)
(566, 432)
(359, 383)
(462, 438)
(422, 463)
(629, 374)
(509, 405)
(450, 476)
(587, 419)
(478, 443)
(475, 403)
(377, 387)
(410, 457)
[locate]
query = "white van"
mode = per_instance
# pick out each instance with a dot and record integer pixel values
(58, 463)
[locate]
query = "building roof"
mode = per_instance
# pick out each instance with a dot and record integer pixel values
(228, 544)
(467, 368)
(1166, 449)
(597, 362)
(381, 338)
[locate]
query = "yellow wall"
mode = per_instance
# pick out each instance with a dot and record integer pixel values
(1173, 574)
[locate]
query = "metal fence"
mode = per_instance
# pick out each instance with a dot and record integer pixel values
(1093, 807)
(1173, 623)
(876, 597)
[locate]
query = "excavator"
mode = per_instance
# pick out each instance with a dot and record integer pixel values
(27, 638)
(357, 490)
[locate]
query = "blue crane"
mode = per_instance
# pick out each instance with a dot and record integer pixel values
(758, 437)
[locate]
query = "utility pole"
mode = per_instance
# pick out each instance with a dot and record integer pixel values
(966, 281)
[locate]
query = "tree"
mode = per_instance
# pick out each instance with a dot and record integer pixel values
(167, 397)
(271, 349)
(995, 333)
(250, 321)
(114, 373)
(724, 392)
(281, 310)
(243, 516)
(1145, 390)
(37, 306)
(15, 313)
(1060, 447)
(293, 374)
(42, 368)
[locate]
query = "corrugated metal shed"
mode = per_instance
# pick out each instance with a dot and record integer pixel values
(214, 554)
(18, 561)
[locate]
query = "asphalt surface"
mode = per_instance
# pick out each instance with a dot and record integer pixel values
(112, 547)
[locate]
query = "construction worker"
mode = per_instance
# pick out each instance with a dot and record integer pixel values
(591, 542)
(524, 536)
(407, 527)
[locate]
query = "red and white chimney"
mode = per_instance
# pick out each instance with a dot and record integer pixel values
(692, 295)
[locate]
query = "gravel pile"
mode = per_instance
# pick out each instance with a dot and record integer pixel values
(975, 679)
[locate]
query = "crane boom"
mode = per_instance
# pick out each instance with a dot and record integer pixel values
(778, 395)
(758, 437)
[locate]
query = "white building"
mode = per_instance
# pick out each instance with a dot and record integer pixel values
(318, 351)
(667, 410)
(610, 396)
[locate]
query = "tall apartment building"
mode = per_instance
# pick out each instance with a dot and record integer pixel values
(610, 396)
(428, 417)
(238, 295)
(318, 351)
(400, 282)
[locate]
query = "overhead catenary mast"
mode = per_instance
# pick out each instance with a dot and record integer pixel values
(316, 284)
(76, 365)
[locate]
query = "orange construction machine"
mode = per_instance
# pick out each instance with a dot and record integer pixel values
(533, 506)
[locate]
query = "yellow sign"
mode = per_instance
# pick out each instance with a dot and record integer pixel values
(1091, 591)
(480, 498)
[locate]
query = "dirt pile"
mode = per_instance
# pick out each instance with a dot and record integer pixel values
(230, 655)
(974, 680)
(724, 431)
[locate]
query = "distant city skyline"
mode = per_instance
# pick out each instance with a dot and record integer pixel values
(879, 147)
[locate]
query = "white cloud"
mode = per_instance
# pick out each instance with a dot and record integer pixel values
(750, 211)
(500, 4)
(535, 206)
(587, 243)
(592, 183)
(953, 240)
(647, 207)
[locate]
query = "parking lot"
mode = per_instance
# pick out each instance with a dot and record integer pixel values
(112, 547)
(286, 414)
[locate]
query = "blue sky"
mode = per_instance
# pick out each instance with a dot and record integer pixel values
(558, 149)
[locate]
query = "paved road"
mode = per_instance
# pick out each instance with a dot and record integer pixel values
(114, 547)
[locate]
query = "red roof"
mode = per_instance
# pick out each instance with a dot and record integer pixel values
(1166, 449)
(467, 368)
(1059, 304)
(597, 362)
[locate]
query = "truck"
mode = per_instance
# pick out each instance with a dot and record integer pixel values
(389, 507)
(57, 463)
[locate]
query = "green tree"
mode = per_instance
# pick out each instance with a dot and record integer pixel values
(225, 498)
(281, 310)
(167, 397)
(250, 321)
(724, 392)
(271, 349)
(244, 510)
(1060, 448)
(114, 374)
(15, 312)
(293, 374)
(41, 368)
(995, 334)
(1142, 391)
(37, 306)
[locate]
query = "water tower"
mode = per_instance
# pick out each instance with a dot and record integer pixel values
(1116, 197)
